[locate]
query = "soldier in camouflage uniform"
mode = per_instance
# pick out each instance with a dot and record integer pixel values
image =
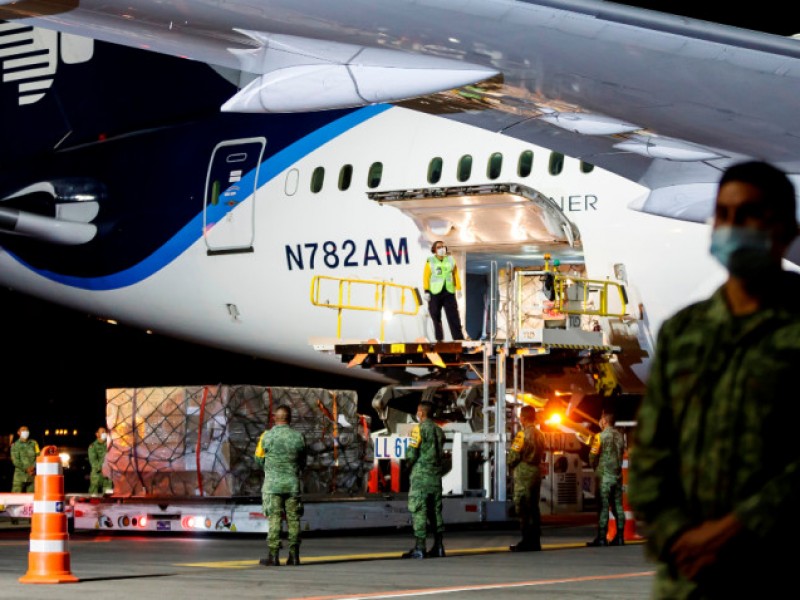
(425, 456)
(282, 452)
(23, 454)
(98, 483)
(605, 456)
(715, 464)
(525, 458)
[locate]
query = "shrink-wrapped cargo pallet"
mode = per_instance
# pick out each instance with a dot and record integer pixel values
(200, 440)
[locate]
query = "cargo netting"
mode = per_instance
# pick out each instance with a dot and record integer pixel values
(201, 440)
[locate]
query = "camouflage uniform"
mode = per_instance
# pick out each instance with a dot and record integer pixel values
(525, 458)
(717, 433)
(282, 452)
(607, 464)
(23, 455)
(425, 456)
(98, 483)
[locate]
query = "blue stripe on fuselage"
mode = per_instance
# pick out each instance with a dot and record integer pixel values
(191, 232)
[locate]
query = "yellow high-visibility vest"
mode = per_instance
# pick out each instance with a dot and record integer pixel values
(442, 274)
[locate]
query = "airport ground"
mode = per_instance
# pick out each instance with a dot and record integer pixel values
(363, 565)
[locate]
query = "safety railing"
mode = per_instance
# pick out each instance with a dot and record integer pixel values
(575, 296)
(387, 298)
(550, 296)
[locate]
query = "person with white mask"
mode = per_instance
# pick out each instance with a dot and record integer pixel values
(442, 284)
(23, 454)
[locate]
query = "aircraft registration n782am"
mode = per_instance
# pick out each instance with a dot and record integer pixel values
(129, 195)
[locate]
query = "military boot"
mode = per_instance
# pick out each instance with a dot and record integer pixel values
(418, 551)
(530, 542)
(294, 556)
(270, 561)
(521, 546)
(526, 545)
(619, 539)
(437, 550)
(600, 540)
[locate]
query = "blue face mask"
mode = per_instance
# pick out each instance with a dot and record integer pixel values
(744, 251)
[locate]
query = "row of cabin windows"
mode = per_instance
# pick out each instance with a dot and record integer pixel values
(494, 167)
(346, 177)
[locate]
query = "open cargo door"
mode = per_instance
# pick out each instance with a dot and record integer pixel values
(502, 222)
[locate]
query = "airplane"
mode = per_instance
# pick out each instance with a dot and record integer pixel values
(129, 195)
(194, 168)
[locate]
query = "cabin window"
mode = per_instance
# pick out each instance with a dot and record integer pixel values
(586, 167)
(556, 163)
(345, 177)
(317, 178)
(525, 164)
(375, 174)
(435, 170)
(464, 168)
(292, 177)
(495, 165)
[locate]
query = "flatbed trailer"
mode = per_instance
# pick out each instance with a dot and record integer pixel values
(244, 515)
(16, 505)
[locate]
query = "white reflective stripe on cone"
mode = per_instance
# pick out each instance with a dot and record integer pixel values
(628, 515)
(48, 506)
(48, 468)
(48, 545)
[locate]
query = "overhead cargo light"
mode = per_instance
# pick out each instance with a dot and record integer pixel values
(295, 74)
(588, 124)
(440, 227)
(667, 148)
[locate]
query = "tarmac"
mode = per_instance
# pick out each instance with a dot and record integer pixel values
(336, 566)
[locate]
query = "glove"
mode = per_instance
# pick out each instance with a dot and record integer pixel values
(426, 295)
(459, 293)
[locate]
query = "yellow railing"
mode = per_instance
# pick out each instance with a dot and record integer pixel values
(575, 296)
(407, 300)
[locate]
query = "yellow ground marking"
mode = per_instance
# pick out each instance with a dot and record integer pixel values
(307, 560)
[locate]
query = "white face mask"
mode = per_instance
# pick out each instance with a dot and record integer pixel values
(441, 251)
(103, 436)
(24, 435)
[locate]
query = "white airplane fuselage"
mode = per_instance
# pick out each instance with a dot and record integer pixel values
(256, 301)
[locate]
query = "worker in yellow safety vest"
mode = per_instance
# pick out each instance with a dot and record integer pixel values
(441, 283)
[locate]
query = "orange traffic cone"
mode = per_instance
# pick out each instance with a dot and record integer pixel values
(48, 559)
(612, 528)
(629, 532)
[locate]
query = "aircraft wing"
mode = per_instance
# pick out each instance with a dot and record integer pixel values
(664, 100)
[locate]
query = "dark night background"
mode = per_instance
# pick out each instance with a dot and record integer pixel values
(57, 364)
